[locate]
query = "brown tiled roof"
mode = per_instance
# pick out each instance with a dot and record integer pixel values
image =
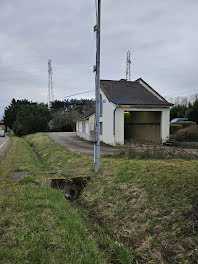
(128, 93)
(88, 113)
(131, 93)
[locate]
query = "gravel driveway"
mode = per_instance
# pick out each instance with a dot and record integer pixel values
(74, 143)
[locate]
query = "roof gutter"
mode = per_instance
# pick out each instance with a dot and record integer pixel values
(114, 121)
(144, 106)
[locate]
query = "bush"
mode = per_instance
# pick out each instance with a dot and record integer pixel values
(178, 111)
(12, 111)
(31, 119)
(186, 123)
(192, 112)
(174, 128)
(63, 121)
(188, 134)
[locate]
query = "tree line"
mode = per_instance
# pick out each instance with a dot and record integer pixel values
(187, 109)
(26, 117)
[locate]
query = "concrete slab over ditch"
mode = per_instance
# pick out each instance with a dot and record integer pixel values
(16, 176)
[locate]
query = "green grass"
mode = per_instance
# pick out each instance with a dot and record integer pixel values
(133, 211)
(37, 225)
(149, 206)
(121, 254)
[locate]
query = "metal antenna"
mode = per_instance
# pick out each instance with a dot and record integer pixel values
(128, 66)
(50, 83)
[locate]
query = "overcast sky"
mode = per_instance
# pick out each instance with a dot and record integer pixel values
(161, 35)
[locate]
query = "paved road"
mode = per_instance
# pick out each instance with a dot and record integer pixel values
(4, 144)
(74, 143)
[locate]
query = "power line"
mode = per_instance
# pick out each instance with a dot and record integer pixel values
(196, 90)
(79, 93)
(94, 90)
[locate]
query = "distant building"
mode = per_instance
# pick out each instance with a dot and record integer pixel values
(129, 111)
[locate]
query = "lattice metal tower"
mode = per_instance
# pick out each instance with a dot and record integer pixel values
(128, 66)
(50, 83)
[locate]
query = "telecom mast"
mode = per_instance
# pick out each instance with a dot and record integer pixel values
(50, 84)
(128, 66)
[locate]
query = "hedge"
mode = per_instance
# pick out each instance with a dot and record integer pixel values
(174, 128)
(188, 134)
(186, 123)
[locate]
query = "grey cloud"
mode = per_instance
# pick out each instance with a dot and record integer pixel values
(160, 34)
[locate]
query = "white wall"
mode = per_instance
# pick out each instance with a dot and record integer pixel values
(81, 134)
(89, 126)
(107, 120)
(165, 125)
(119, 126)
(80, 126)
(108, 123)
(91, 123)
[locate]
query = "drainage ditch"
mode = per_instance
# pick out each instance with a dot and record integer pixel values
(70, 187)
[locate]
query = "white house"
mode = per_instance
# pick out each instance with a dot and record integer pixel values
(129, 111)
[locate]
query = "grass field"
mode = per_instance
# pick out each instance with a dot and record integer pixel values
(37, 225)
(133, 211)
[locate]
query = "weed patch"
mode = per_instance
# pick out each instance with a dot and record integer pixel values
(145, 151)
(121, 254)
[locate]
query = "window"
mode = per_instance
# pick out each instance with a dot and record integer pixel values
(101, 105)
(101, 128)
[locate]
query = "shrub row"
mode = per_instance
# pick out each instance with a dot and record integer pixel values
(175, 127)
(188, 134)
